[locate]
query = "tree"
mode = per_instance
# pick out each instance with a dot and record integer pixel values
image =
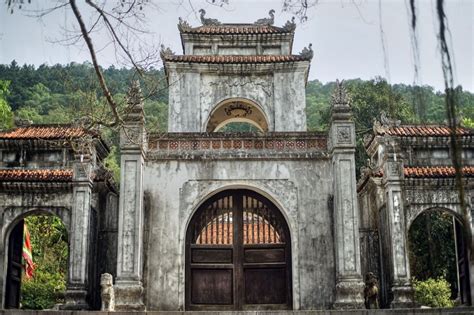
(6, 114)
(122, 21)
(50, 253)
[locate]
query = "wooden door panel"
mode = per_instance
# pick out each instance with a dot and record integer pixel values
(211, 255)
(13, 283)
(265, 286)
(212, 286)
(264, 255)
(238, 255)
(463, 264)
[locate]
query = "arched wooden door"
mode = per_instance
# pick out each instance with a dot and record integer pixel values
(14, 267)
(238, 254)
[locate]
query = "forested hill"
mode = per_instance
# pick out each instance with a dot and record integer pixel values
(63, 93)
(53, 94)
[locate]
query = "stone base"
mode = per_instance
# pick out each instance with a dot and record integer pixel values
(349, 295)
(75, 300)
(402, 297)
(128, 296)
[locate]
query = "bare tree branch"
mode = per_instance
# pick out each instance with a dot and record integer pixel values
(98, 71)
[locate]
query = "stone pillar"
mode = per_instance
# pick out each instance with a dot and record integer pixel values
(77, 280)
(400, 268)
(128, 285)
(349, 285)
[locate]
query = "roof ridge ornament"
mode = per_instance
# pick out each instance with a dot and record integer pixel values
(207, 21)
(384, 123)
(183, 25)
(166, 51)
(267, 21)
(387, 120)
(307, 52)
(290, 26)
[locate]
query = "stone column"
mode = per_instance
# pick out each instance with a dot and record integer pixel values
(400, 268)
(349, 285)
(128, 285)
(77, 280)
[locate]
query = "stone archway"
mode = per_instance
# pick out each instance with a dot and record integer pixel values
(437, 248)
(238, 254)
(14, 233)
(237, 110)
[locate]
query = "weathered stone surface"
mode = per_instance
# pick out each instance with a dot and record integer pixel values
(107, 293)
(198, 90)
(128, 285)
(172, 202)
(391, 200)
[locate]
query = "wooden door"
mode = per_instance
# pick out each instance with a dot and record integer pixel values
(238, 255)
(14, 269)
(463, 264)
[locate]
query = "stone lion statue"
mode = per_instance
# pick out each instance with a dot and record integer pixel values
(371, 291)
(107, 292)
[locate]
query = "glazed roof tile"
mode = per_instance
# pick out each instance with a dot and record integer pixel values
(235, 58)
(425, 131)
(236, 29)
(436, 171)
(44, 132)
(36, 175)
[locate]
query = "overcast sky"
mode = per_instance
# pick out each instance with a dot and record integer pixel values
(346, 36)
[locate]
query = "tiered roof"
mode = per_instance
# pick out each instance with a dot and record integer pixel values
(49, 132)
(423, 131)
(35, 175)
(232, 59)
(235, 29)
(436, 171)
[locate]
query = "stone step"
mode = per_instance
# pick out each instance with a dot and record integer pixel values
(412, 311)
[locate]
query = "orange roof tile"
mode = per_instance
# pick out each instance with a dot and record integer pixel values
(235, 59)
(37, 175)
(236, 29)
(44, 132)
(436, 171)
(425, 131)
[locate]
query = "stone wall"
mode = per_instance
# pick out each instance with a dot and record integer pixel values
(195, 90)
(299, 188)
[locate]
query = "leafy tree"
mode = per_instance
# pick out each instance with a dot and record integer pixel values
(432, 248)
(49, 241)
(6, 114)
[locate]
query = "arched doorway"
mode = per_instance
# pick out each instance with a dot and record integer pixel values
(240, 112)
(438, 250)
(238, 254)
(43, 284)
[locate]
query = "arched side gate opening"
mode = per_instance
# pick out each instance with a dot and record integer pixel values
(438, 249)
(238, 254)
(42, 284)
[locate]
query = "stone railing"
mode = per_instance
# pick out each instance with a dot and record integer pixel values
(208, 145)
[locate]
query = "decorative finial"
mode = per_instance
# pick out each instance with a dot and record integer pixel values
(290, 26)
(267, 21)
(183, 25)
(340, 98)
(206, 21)
(307, 52)
(166, 51)
(388, 121)
(134, 94)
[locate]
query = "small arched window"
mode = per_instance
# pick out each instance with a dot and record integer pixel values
(237, 115)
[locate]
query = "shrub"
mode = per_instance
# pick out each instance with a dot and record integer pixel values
(433, 292)
(42, 291)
